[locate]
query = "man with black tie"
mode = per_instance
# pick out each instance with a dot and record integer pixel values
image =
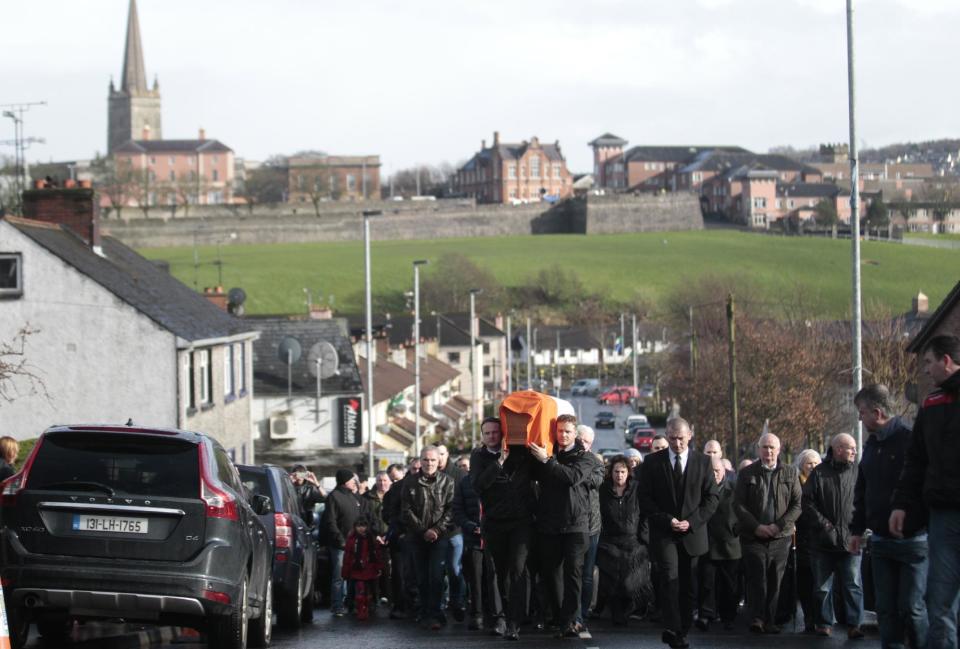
(678, 494)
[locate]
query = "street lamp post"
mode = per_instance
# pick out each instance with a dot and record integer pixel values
(509, 355)
(856, 325)
(369, 332)
(416, 354)
(474, 368)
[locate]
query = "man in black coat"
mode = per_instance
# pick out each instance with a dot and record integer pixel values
(504, 483)
(478, 567)
(718, 569)
(563, 521)
(343, 508)
(678, 494)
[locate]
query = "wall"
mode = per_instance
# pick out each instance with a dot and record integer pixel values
(410, 220)
(85, 340)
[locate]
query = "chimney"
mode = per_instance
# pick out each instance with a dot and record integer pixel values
(320, 312)
(146, 132)
(76, 208)
(535, 141)
(216, 296)
(203, 135)
(921, 304)
(483, 144)
(496, 138)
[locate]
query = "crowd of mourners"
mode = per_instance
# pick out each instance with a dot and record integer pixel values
(515, 538)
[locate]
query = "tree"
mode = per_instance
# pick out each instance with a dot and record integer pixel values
(425, 179)
(115, 179)
(265, 184)
(877, 214)
(17, 376)
(826, 213)
(447, 283)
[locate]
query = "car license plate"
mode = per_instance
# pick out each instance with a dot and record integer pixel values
(119, 524)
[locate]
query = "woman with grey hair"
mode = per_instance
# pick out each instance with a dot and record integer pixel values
(807, 460)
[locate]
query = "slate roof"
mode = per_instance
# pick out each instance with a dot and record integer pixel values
(172, 146)
(389, 379)
(949, 304)
(607, 139)
(509, 151)
(399, 329)
(270, 373)
(434, 373)
(462, 321)
(680, 154)
(138, 282)
(809, 190)
(723, 160)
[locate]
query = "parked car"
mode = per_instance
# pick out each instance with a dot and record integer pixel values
(618, 395)
(605, 419)
(108, 522)
(294, 546)
(643, 439)
(589, 387)
(637, 420)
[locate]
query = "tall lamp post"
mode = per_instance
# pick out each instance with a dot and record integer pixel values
(369, 333)
(855, 230)
(475, 371)
(416, 354)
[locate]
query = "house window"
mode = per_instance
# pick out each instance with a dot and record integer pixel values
(523, 171)
(697, 176)
(453, 357)
(206, 377)
(228, 371)
(486, 348)
(351, 182)
(190, 381)
(790, 203)
(216, 175)
(300, 182)
(556, 170)
(779, 203)
(512, 171)
(535, 167)
(333, 184)
(759, 201)
(241, 375)
(11, 274)
(173, 175)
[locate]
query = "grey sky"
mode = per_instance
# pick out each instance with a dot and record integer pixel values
(426, 80)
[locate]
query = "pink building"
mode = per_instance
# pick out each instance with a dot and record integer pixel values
(175, 172)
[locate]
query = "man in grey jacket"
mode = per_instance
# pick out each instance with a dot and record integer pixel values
(768, 504)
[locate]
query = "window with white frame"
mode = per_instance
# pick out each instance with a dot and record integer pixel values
(523, 171)
(206, 376)
(189, 381)
(535, 167)
(241, 371)
(11, 274)
(228, 371)
(351, 182)
(759, 201)
(556, 170)
(512, 171)
(215, 175)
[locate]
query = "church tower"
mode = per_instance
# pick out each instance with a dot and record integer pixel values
(134, 109)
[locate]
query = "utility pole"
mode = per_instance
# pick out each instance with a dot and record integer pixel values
(509, 355)
(556, 364)
(634, 354)
(623, 338)
(416, 353)
(368, 302)
(731, 329)
(529, 358)
(855, 232)
(476, 371)
(693, 345)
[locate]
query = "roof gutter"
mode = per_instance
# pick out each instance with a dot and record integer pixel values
(183, 343)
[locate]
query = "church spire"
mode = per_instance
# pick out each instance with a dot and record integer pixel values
(134, 80)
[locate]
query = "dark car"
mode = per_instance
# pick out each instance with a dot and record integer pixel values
(294, 547)
(605, 419)
(146, 524)
(643, 438)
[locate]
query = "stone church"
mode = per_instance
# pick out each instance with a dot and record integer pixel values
(133, 108)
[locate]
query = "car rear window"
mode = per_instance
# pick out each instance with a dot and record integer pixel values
(141, 465)
(255, 480)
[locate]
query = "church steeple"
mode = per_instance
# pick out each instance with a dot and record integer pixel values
(134, 80)
(134, 105)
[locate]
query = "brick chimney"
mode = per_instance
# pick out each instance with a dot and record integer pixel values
(146, 132)
(76, 208)
(921, 304)
(203, 135)
(496, 138)
(483, 144)
(216, 295)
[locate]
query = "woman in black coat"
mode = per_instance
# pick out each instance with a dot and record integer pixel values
(621, 557)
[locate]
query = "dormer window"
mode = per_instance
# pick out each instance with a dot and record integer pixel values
(11, 275)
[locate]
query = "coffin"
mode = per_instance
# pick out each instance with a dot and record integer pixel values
(529, 417)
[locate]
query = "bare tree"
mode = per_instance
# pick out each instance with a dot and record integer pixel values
(116, 180)
(17, 376)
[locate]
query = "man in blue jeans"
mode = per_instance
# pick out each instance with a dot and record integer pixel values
(828, 510)
(931, 475)
(899, 565)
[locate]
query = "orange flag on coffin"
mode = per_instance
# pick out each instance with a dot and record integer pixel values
(4, 629)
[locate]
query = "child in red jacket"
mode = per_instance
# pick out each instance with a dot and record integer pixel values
(362, 564)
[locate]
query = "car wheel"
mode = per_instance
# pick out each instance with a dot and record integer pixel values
(290, 605)
(230, 631)
(261, 628)
(18, 625)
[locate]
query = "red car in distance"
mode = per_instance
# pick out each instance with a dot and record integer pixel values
(643, 439)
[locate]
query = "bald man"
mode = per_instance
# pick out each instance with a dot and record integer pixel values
(828, 508)
(768, 504)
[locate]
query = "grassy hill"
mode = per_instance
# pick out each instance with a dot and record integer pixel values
(621, 266)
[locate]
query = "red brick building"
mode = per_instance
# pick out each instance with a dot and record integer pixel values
(333, 178)
(515, 173)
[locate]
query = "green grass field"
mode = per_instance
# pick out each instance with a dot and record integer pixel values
(927, 235)
(621, 266)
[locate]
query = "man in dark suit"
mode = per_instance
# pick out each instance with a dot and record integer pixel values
(678, 494)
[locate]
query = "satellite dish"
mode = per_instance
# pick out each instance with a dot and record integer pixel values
(289, 350)
(328, 357)
(236, 296)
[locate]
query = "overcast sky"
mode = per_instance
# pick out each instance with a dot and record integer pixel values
(423, 81)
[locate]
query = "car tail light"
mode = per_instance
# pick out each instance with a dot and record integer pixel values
(284, 530)
(216, 596)
(5, 581)
(10, 487)
(219, 503)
